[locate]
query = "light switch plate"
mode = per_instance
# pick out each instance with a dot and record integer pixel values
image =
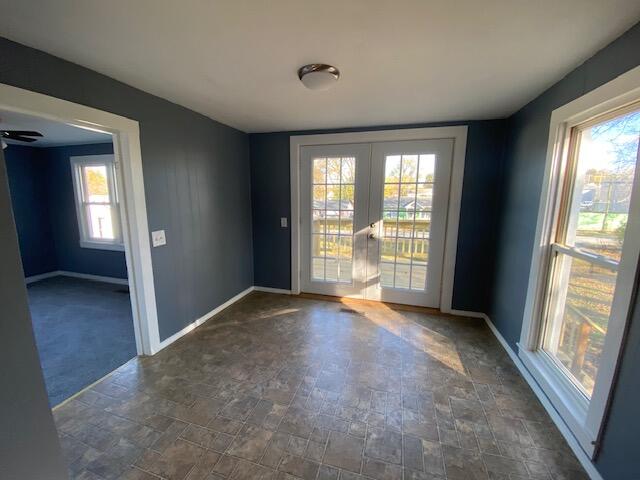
(158, 238)
(283, 222)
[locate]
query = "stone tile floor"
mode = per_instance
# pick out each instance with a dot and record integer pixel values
(279, 387)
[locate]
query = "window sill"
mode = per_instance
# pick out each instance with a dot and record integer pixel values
(118, 247)
(563, 395)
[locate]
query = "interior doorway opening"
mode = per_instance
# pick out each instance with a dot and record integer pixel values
(133, 282)
(66, 207)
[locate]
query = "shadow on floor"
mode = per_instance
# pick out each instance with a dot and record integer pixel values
(83, 330)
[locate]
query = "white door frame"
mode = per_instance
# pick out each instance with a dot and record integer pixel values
(133, 210)
(457, 133)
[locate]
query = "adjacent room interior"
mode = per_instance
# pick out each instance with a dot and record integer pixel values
(64, 200)
(363, 240)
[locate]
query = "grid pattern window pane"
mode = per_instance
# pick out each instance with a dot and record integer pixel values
(406, 221)
(333, 204)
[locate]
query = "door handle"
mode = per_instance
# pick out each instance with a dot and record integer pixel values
(372, 236)
(372, 232)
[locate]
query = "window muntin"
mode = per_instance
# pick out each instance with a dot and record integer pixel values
(587, 248)
(97, 202)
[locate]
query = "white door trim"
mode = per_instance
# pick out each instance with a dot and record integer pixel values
(126, 145)
(457, 133)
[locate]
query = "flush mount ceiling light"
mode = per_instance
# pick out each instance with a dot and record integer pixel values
(318, 76)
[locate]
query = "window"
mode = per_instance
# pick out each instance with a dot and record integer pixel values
(96, 195)
(586, 254)
(589, 240)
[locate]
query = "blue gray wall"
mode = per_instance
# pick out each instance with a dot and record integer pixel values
(29, 447)
(64, 223)
(197, 184)
(271, 199)
(44, 207)
(524, 160)
(28, 182)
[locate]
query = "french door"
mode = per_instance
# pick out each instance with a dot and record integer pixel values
(374, 218)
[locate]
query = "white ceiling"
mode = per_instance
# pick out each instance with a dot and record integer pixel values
(402, 61)
(54, 133)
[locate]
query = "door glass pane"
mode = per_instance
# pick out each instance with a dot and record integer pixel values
(427, 167)
(346, 222)
(576, 335)
(331, 272)
(317, 245)
(605, 169)
(392, 169)
(318, 221)
(388, 250)
(317, 269)
(402, 277)
(333, 171)
(345, 266)
(333, 221)
(319, 196)
(333, 205)
(319, 171)
(406, 220)
(348, 172)
(409, 169)
(386, 275)
(596, 205)
(418, 277)
(420, 251)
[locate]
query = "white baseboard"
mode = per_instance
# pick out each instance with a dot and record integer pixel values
(272, 290)
(42, 276)
(97, 278)
(582, 457)
(85, 276)
(464, 313)
(169, 340)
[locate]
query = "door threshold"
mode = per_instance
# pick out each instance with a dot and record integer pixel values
(373, 303)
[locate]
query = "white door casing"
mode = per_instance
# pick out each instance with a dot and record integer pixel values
(459, 136)
(126, 144)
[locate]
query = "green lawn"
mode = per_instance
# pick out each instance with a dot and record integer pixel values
(588, 221)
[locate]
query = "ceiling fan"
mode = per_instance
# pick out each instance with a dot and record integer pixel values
(19, 135)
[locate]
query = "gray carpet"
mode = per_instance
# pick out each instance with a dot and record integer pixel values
(83, 330)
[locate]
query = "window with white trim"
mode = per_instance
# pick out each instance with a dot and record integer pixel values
(96, 197)
(587, 248)
(586, 255)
